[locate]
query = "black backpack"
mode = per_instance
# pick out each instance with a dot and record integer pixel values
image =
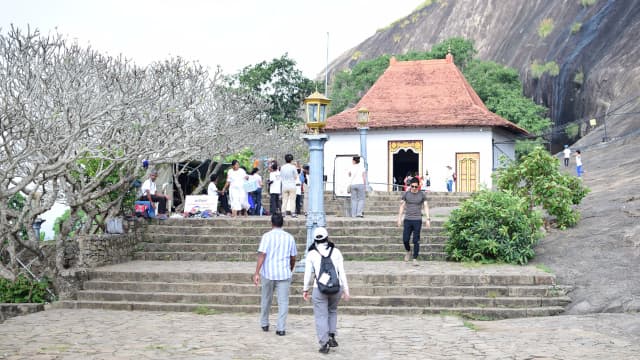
(327, 280)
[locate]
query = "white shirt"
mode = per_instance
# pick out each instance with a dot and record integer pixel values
(148, 185)
(212, 189)
(312, 266)
(578, 160)
(274, 178)
(288, 175)
(357, 174)
(236, 178)
(567, 153)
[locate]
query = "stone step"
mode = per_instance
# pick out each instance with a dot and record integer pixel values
(248, 256)
(361, 289)
(356, 300)
(213, 229)
(359, 273)
(346, 248)
(345, 308)
(395, 238)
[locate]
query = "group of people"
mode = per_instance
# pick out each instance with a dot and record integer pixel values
(274, 268)
(242, 187)
(277, 258)
(567, 158)
(288, 188)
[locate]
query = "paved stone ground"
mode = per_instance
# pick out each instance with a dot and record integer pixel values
(101, 334)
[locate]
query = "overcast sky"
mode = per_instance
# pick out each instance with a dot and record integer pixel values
(229, 33)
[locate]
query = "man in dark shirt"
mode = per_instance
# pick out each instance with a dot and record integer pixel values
(411, 207)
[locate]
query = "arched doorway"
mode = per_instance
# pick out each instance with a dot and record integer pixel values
(404, 157)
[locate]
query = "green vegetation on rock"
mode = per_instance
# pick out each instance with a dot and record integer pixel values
(23, 290)
(545, 28)
(575, 27)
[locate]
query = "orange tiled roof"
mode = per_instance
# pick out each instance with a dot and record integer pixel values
(418, 94)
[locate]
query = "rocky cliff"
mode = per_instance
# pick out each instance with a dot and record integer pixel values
(592, 42)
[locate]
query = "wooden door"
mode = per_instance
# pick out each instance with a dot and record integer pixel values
(468, 172)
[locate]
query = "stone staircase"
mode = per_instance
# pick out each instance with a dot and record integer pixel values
(191, 264)
(228, 239)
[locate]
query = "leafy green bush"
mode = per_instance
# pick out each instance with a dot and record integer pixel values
(572, 130)
(493, 226)
(575, 27)
(545, 28)
(23, 290)
(579, 78)
(537, 177)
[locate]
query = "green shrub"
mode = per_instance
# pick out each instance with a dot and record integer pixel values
(537, 69)
(545, 28)
(23, 290)
(551, 68)
(572, 130)
(493, 226)
(579, 78)
(537, 177)
(575, 27)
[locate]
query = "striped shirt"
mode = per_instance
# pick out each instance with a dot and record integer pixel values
(279, 246)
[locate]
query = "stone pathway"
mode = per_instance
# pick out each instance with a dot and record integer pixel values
(100, 334)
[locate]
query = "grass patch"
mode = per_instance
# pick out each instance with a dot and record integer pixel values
(466, 316)
(155, 347)
(365, 258)
(492, 294)
(54, 348)
(551, 68)
(572, 130)
(587, 3)
(356, 55)
(545, 28)
(576, 27)
(579, 78)
(544, 268)
(203, 310)
(469, 325)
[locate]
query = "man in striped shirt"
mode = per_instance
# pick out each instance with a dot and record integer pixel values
(276, 259)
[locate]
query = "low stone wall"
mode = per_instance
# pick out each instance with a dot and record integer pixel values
(107, 249)
(11, 310)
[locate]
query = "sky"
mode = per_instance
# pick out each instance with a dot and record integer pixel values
(229, 33)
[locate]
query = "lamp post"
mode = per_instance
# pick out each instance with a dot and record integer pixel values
(37, 223)
(316, 114)
(363, 127)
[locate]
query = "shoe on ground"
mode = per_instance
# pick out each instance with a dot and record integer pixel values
(294, 216)
(324, 348)
(265, 328)
(332, 341)
(407, 256)
(280, 332)
(415, 262)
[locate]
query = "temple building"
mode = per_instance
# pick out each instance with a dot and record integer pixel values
(423, 116)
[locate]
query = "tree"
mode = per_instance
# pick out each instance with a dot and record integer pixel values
(537, 178)
(500, 89)
(75, 125)
(280, 84)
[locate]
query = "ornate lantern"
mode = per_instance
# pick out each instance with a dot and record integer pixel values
(363, 117)
(316, 106)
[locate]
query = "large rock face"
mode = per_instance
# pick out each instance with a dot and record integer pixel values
(595, 47)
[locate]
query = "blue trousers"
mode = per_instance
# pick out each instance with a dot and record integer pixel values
(412, 226)
(282, 292)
